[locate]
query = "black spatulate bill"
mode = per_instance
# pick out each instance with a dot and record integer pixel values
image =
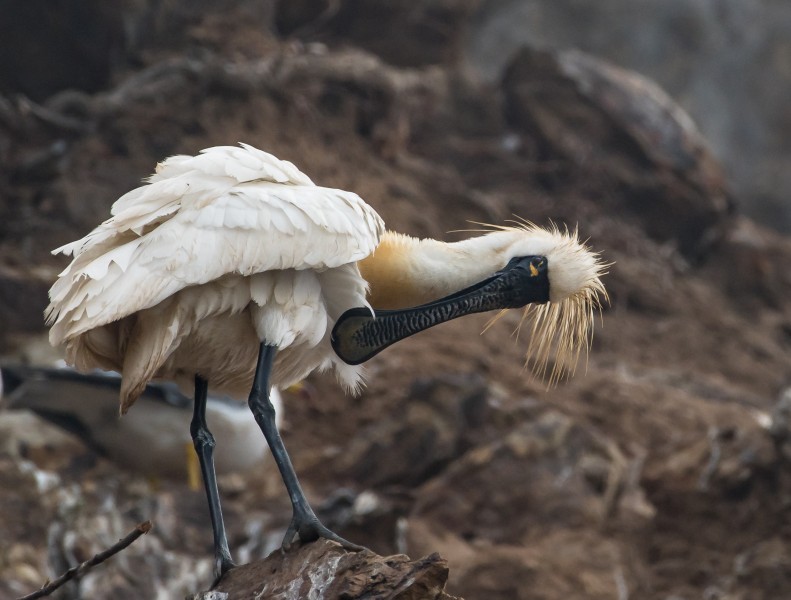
(358, 335)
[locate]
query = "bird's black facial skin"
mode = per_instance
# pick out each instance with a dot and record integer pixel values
(358, 335)
(524, 280)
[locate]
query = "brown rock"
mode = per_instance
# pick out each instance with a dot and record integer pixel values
(435, 28)
(23, 297)
(765, 566)
(548, 471)
(623, 128)
(438, 419)
(324, 570)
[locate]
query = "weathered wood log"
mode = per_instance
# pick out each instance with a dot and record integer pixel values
(325, 570)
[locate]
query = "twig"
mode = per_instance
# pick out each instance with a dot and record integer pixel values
(82, 568)
(715, 457)
(52, 117)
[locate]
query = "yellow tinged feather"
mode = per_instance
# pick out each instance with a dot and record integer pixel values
(387, 274)
(560, 331)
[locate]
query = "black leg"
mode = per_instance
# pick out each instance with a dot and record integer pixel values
(304, 523)
(204, 446)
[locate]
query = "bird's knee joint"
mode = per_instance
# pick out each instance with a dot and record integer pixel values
(202, 438)
(261, 404)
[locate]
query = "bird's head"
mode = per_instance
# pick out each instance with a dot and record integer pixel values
(560, 328)
(548, 273)
(574, 270)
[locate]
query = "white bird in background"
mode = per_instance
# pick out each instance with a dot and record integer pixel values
(233, 268)
(153, 440)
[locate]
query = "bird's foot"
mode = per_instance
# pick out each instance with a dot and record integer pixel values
(307, 527)
(222, 564)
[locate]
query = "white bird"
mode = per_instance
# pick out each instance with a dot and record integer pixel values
(231, 257)
(153, 440)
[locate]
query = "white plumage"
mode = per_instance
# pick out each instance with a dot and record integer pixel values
(170, 285)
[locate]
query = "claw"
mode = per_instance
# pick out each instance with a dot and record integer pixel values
(308, 528)
(222, 565)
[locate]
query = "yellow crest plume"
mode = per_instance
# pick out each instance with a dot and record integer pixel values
(563, 327)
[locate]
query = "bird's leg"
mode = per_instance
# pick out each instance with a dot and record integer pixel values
(304, 522)
(204, 446)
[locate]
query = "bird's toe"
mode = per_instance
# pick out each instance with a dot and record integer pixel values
(308, 528)
(221, 566)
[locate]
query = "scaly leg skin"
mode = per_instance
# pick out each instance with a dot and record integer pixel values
(204, 446)
(304, 523)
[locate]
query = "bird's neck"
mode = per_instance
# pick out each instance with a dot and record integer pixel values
(405, 271)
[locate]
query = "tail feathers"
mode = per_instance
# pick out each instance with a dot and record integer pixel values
(154, 337)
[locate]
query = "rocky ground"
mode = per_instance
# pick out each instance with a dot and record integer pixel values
(659, 472)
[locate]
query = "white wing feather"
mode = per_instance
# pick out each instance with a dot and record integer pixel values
(227, 210)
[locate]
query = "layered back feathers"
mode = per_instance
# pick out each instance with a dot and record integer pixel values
(227, 210)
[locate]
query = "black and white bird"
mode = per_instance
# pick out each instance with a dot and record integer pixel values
(233, 269)
(153, 440)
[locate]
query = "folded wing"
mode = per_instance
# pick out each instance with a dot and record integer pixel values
(227, 210)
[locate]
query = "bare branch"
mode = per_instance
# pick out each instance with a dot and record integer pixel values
(82, 568)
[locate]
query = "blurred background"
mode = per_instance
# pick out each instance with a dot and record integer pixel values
(660, 128)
